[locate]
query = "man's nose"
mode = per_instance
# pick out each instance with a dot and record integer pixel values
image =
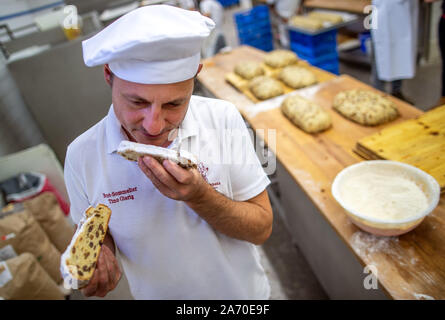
(153, 121)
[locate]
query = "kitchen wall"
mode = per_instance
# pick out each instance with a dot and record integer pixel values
(18, 130)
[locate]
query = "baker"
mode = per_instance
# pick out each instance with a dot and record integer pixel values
(394, 44)
(216, 40)
(184, 234)
(282, 11)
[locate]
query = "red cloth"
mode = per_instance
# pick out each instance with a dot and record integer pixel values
(48, 187)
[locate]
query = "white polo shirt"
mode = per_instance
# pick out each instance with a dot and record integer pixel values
(167, 250)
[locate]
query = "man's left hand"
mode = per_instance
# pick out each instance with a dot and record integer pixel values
(172, 180)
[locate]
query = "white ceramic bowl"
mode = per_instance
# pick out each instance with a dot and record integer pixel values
(382, 227)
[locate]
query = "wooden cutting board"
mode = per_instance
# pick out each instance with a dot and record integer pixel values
(419, 142)
(243, 85)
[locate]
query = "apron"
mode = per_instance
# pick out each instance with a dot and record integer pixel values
(395, 38)
(209, 44)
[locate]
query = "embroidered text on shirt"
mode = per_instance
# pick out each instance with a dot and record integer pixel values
(122, 195)
(203, 170)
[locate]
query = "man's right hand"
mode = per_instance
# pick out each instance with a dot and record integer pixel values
(106, 276)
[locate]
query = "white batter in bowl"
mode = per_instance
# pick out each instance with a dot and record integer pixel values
(385, 197)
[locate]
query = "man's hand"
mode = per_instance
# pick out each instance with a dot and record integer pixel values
(173, 181)
(106, 276)
(249, 220)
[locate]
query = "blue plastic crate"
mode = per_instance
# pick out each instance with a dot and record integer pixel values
(258, 13)
(328, 62)
(313, 51)
(259, 41)
(265, 46)
(313, 40)
(262, 45)
(264, 42)
(331, 66)
(228, 3)
(260, 9)
(256, 37)
(254, 27)
(315, 61)
(363, 37)
(313, 45)
(261, 33)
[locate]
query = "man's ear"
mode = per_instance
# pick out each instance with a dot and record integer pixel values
(199, 69)
(108, 75)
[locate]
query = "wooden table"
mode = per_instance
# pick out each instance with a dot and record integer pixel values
(409, 267)
(354, 6)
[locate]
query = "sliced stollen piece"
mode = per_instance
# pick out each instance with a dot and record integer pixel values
(307, 115)
(306, 23)
(365, 107)
(132, 151)
(297, 77)
(280, 58)
(79, 260)
(264, 87)
(249, 69)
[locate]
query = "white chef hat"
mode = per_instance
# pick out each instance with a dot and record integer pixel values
(155, 44)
